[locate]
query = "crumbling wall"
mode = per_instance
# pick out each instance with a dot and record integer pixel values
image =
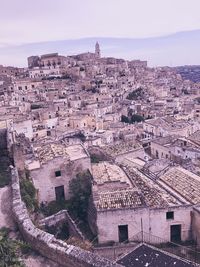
(61, 217)
(45, 243)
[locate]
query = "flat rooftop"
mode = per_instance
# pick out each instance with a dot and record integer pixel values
(50, 151)
(105, 172)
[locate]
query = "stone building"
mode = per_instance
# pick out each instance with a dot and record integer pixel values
(53, 166)
(126, 202)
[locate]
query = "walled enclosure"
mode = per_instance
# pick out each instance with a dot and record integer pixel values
(45, 243)
(62, 217)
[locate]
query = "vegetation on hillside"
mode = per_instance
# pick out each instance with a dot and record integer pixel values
(4, 168)
(132, 119)
(136, 94)
(28, 192)
(11, 250)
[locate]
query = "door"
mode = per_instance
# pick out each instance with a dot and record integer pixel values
(176, 233)
(60, 193)
(123, 233)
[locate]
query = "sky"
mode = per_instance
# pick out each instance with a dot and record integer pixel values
(25, 21)
(33, 21)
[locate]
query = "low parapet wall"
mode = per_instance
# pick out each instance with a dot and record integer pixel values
(45, 243)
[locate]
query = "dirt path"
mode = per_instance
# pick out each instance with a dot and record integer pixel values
(39, 261)
(6, 209)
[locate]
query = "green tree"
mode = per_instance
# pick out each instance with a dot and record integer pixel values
(28, 194)
(136, 94)
(136, 118)
(80, 190)
(125, 119)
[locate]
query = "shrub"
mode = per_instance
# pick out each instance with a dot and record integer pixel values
(28, 194)
(9, 250)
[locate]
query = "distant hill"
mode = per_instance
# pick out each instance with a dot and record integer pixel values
(189, 72)
(176, 49)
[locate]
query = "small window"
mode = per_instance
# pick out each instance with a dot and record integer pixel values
(57, 173)
(170, 215)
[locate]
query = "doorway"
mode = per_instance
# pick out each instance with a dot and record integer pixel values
(60, 193)
(123, 233)
(175, 233)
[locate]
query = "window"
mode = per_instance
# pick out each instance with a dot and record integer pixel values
(170, 215)
(57, 173)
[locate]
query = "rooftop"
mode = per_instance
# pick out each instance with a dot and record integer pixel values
(148, 256)
(184, 182)
(115, 188)
(119, 199)
(169, 123)
(105, 172)
(121, 148)
(50, 151)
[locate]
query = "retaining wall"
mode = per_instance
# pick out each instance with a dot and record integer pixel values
(45, 243)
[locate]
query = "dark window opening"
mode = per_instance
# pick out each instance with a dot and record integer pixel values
(170, 215)
(57, 173)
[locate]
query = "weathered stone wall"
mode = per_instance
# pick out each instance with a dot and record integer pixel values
(45, 181)
(154, 222)
(61, 217)
(196, 224)
(45, 243)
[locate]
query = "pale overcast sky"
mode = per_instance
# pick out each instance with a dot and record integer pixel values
(23, 21)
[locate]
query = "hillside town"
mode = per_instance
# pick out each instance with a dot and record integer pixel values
(131, 131)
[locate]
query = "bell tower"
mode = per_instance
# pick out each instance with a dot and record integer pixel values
(97, 50)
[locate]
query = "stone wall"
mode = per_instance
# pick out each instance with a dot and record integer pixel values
(45, 181)
(196, 224)
(61, 217)
(45, 243)
(154, 222)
